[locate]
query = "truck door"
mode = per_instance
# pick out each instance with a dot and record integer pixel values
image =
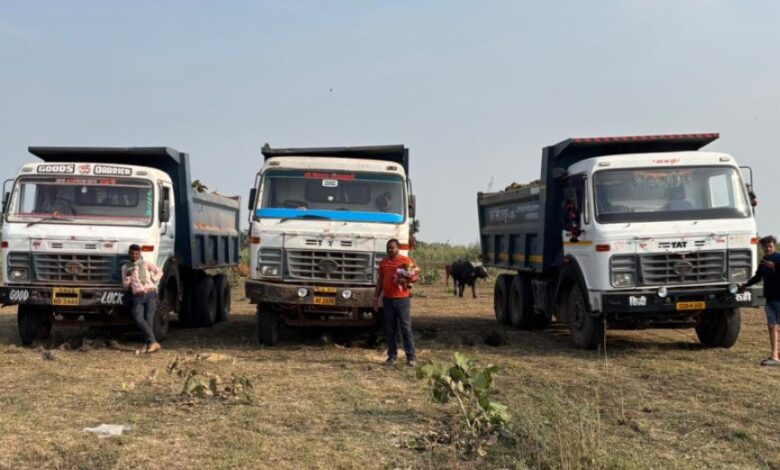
(576, 222)
(167, 211)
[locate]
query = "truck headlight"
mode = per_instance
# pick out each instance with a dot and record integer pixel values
(739, 274)
(269, 270)
(622, 279)
(346, 294)
(18, 274)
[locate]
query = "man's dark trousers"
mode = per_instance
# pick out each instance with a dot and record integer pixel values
(397, 312)
(144, 307)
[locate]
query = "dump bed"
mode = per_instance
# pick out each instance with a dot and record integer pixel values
(392, 153)
(520, 228)
(207, 225)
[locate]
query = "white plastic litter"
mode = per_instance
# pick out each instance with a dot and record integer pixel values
(109, 430)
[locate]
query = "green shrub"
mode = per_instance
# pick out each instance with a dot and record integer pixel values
(469, 386)
(437, 255)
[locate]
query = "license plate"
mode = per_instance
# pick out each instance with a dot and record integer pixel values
(325, 290)
(324, 301)
(691, 305)
(65, 296)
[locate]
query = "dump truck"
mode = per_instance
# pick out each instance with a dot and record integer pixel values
(320, 219)
(69, 220)
(625, 232)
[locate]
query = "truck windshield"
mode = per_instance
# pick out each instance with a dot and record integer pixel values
(82, 200)
(345, 196)
(667, 194)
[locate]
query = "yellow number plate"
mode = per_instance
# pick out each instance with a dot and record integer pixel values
(324, 301)
(691, 305)
(65, 296)
(325, 290)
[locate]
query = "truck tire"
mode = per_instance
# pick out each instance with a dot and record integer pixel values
(162, 319)
(205, 305)
(268, 325)
(521, 312)
(719, 328)
(501, 298)
(34, 322)
(223, 297)
(587, 331)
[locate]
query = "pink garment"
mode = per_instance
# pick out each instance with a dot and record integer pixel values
(131, 279)
(405, 277)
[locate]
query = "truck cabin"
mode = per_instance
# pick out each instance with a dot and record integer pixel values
(360, 184)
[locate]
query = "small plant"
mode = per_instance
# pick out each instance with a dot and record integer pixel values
(201, 384)
(469, 385)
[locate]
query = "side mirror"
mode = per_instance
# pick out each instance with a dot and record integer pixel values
(165, 206)
(252, 196)
(165, 212)
(412, 206)
(6, 197)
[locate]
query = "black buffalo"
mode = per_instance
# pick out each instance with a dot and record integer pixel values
(464, 273)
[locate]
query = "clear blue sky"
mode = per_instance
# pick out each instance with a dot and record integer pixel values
(474, 89)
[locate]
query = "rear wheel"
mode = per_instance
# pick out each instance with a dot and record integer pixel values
(719, 328)
(268, 325)
(223, 297)
(587, 331)
(162, 318)
(521, 303)
(205, 308)
(34, 323)
(501, 298)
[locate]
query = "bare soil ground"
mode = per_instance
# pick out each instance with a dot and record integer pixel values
(655, 400)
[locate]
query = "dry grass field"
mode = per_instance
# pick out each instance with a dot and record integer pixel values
(655, 400)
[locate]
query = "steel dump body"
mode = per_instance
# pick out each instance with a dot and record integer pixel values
(392, 153)
(520, 229)
(207, 225)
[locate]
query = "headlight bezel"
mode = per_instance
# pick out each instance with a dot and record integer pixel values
(623, 271)
(269, 263)
(739, 274)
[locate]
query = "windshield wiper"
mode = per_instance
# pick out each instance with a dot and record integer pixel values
(306, 216)
(47, 219)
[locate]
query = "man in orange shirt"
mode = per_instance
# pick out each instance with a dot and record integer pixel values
(395, 303)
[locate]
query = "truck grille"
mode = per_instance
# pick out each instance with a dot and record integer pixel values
(93, 269)
(679, 268)
(329, 266)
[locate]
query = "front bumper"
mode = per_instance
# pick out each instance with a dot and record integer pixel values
(679, 300)
(67, 297)
(287, 294)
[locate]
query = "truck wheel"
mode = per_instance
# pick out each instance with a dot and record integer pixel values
(34, 323)
(205, 308)
(268, 325)
(718, 328)
(223, 297)
(501, 298)
(162, 318)
(587, 332)
(521, 303)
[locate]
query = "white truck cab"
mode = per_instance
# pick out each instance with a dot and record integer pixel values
(320, 221)
(627, 232)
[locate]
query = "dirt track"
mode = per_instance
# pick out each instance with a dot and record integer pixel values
(658, 399)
